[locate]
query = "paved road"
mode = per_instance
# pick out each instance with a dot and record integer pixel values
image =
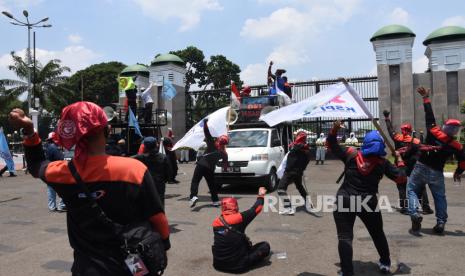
(34, 241)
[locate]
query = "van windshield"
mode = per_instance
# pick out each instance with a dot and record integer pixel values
(248, 139)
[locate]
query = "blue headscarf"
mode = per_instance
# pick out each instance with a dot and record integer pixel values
(373, 144)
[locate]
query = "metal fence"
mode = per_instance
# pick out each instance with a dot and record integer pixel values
(201, 103)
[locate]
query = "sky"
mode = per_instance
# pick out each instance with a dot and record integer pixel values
(312, 39)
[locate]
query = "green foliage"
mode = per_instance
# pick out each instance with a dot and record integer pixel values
(98, 83)
(221, 71)
(47, 78)
(218, 72)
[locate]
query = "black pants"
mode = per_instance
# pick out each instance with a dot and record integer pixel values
(161, 188)
(257, 253)
(345, 232)
(148, 113)
(288, 178)
(171, 155)
(208, 174)
(2, 171)
(402, 188)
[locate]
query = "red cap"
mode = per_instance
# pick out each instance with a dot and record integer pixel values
(406, 127)
(77, 121)
(229, 206)
(453, 122)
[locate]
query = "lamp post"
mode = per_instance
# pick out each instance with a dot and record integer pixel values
(32, 109)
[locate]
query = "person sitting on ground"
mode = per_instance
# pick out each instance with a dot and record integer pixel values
(157, 163)
(363, 171)
(121, 187)
(232, 250)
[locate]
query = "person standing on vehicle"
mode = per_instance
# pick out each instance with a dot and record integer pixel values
(430, 166)
(122, 188)
(157, 163)
(320, 149)
(146, 97)
(232, 250)
(363, 170)
(206, 165)
(297, 161)
(53, 153)
(410, 157)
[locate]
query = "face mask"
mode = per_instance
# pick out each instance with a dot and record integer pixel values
(450, 130)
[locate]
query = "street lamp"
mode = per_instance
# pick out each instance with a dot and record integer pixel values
(34, 113)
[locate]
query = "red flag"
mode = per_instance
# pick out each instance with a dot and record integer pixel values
(235, 96)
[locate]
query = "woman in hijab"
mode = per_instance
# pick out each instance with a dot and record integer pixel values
(364, 169)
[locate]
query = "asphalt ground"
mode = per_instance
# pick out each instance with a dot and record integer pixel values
(33, 241)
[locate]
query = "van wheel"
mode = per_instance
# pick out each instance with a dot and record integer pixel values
(272, 182)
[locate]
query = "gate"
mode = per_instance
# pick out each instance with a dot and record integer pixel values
(201, 103)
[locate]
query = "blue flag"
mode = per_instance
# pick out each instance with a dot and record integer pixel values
(168, 90)
(133, 122)
(5, 152)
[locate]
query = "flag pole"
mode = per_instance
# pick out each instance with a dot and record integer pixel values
(375, 122)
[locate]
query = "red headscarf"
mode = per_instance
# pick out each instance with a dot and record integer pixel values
(229, 206)
(300, 139)
(77, 121)
(406, 129)
(222, 141)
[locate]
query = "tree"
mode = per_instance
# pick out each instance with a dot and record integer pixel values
(47, 78)
(221, 71)
(98, 83)
(196, 65)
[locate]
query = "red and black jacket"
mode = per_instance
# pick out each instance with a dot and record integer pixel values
(125, 195)
(363, 174)
(436, 159)
(412, 153)
(230, 247)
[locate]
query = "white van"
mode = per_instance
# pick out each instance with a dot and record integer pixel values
(254, 155)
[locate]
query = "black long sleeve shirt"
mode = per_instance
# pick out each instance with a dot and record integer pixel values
(212, 155)
(363, 174)
(436, 159)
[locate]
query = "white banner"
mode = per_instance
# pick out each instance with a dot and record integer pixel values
(195, 136)
(336, 101)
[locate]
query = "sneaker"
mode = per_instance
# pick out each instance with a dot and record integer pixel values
(216, 203)
(416, 224)
(427, 210)
(439, 228)
(62, 210)
(52, 210)
(384, 269)
(289, 211)
(193, 201)
(12, 175)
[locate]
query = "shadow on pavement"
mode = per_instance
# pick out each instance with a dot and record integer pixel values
(58, 265)
(310, 274)
(456, 233)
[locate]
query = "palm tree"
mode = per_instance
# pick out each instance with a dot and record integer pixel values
(47, 79)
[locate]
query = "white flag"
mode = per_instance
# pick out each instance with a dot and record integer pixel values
(284, 96)
(336, 101)
(195, 136)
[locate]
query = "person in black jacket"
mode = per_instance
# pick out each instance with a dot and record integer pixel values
(53, 153)
(171, 155)
(206, 165)
(430, 166)
(363, 172)
(158, 165)
(232, 250)
(297, 161)
(404, 140)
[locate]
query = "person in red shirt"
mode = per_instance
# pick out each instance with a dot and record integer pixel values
(125, 196)
(232, 250)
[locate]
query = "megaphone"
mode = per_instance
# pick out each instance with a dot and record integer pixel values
(233, 116)
(110, 112)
